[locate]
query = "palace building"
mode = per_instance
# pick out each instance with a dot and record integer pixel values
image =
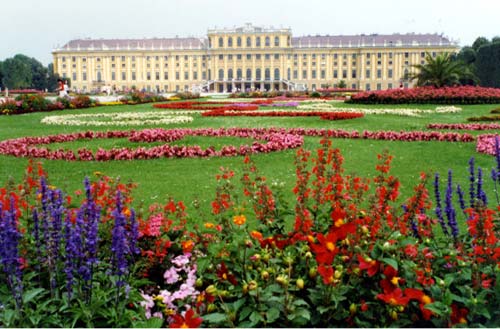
(247, 58)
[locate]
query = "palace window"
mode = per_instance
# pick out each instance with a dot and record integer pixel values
(221, 57)
(344, 56)
(157, 75)
(313, 56)
(157, 58)
(249, 56)
(177, 76)
(249, 42)
(258, 75)
(74, 76)
(335, 74)
(257, 56)
(134, 76)
(221, 74)
(257, 42)
(379, 55)
(229, 42)
(84, 59)
(313, 74)
(84, 76)
(422, 54)
(239, 74)
(335, 56)
(124, 76)
(113, 76)
(379, 74)
(367, 75)
(238, 57)
(379, 62)
(304, 56)
(288, 73)
(164, 58)
(276, 41)
(267, 74)
(267, 56)
(268, 42)
(390, 55)
(238, 42)
(221, 42)
(249, 74)
(353, 74)
(148, 75)
(379, 86)
(344, 74)
(368, 55)
(186, 75)
(229, 57)
(195, 75)
(367, 87)
(165, 75)
(389, 73)
(276, 56)
(204, 75)
(295, 74)
(389, 86)
(295, 56)
(276, 74)
(407, 54)
(304, 74)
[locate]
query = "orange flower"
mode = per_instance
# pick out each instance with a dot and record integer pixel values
(209, 225)
(187, 321)
(256, 235)
(239, 219)
(394, 298)
(187, 245)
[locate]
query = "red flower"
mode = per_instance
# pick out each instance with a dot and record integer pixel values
(327, 273)
(223, 274)
(391, 280)
(394, 298)
(371, 266)
(423, 300)
(458, 315)
(186, 321)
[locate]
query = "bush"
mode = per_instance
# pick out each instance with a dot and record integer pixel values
(315, 94)
(32, 102)
(187, 95)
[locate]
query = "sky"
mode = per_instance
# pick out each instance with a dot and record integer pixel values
(35, 27)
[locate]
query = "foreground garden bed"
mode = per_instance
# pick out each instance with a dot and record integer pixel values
(356, 254)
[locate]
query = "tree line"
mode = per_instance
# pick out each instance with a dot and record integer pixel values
(23, 72)
(476, 64)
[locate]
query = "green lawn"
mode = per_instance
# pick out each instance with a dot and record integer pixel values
(186, 179)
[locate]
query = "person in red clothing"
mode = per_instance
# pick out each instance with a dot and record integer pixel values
(60, 88)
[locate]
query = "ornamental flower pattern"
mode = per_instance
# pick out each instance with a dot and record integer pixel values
(118, 119)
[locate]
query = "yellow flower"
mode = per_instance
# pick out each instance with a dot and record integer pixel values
(239, 219)
(209, 225)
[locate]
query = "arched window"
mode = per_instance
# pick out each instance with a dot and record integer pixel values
(276, 41)
(268, 42)
(99, 77)
(221, 42)
(249, 42)
(238, 74)
(257, 74)
(257, 42)
(249, 74)
(288, 74)
(230, 73)
(267, 74)
(209, 74)
(238, 42)
(276, 74)
(229, 42)
(221, 74)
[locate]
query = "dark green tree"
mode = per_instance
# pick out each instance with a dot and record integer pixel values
(1, 76)
(488, 65)
(17, 72)
(480, 41)
(440, 71)
(52, 78)
(467, 55)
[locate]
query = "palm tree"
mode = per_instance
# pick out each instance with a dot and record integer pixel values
(441, 71)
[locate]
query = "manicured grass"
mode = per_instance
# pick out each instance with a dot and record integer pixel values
(187, 179)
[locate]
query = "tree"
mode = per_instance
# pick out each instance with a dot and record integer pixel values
(467, 55)
(481, 41)
(17, 72)
(440, 71)
(1, 76)
(488, 65)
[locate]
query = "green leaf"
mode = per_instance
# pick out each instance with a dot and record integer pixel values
(29, 295)
(391, 262)
(438, 308)
(255, 317)
(245, 312)
(153, 322)
(215, 317)
(272, 314)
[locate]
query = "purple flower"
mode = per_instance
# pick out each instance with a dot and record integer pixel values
(450, 211)
(119, 246)
(9, 252)
(438, 211)
(472, 181)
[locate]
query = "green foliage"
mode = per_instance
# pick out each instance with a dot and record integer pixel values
(488, 65)
(342, 84)
(440, 71)
(17, 72)
(479, 42)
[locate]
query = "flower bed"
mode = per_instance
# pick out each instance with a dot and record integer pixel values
(426, 95)
(322, 115)
(487, 144)
(394, 111)
(38, 103)
(206, 106)
(272, 141)
(356, 255)
(464, 126)
(276, 139)
(117, 119)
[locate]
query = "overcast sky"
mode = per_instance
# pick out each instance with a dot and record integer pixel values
(35, 27)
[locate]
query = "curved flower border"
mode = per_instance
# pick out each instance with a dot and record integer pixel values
(118, 119)
(276, 139)
(273, 141)
(464, 126)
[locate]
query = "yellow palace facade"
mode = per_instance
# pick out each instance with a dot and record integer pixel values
(246, 58)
